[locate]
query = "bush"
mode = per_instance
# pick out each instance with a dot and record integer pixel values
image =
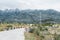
(37, 32)
(9, 26)
(1, 30)
(57, 37)
(31, 30)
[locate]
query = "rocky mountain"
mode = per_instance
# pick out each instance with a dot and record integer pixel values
(29, 16)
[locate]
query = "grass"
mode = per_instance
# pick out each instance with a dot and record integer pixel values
(13, 25)
(31, 36)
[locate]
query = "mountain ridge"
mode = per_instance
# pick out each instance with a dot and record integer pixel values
(28, 16)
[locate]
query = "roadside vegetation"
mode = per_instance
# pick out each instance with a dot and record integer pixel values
(45, 31)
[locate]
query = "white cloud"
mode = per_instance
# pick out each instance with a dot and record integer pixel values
(30, 4)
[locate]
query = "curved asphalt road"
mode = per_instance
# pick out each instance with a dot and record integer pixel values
(16, 34)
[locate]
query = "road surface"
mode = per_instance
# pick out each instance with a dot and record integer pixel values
(16, 34)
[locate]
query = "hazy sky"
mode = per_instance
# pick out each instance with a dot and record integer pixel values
(30, 4)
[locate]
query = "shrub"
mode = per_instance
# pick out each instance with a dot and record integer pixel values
(57, 37)
(9, 26)
(31, 30)
(37, 32)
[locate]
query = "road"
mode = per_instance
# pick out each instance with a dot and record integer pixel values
(15, 34)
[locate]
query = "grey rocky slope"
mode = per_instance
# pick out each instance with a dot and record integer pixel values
(29, 16)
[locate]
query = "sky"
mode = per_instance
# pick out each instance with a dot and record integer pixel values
(30, 4)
